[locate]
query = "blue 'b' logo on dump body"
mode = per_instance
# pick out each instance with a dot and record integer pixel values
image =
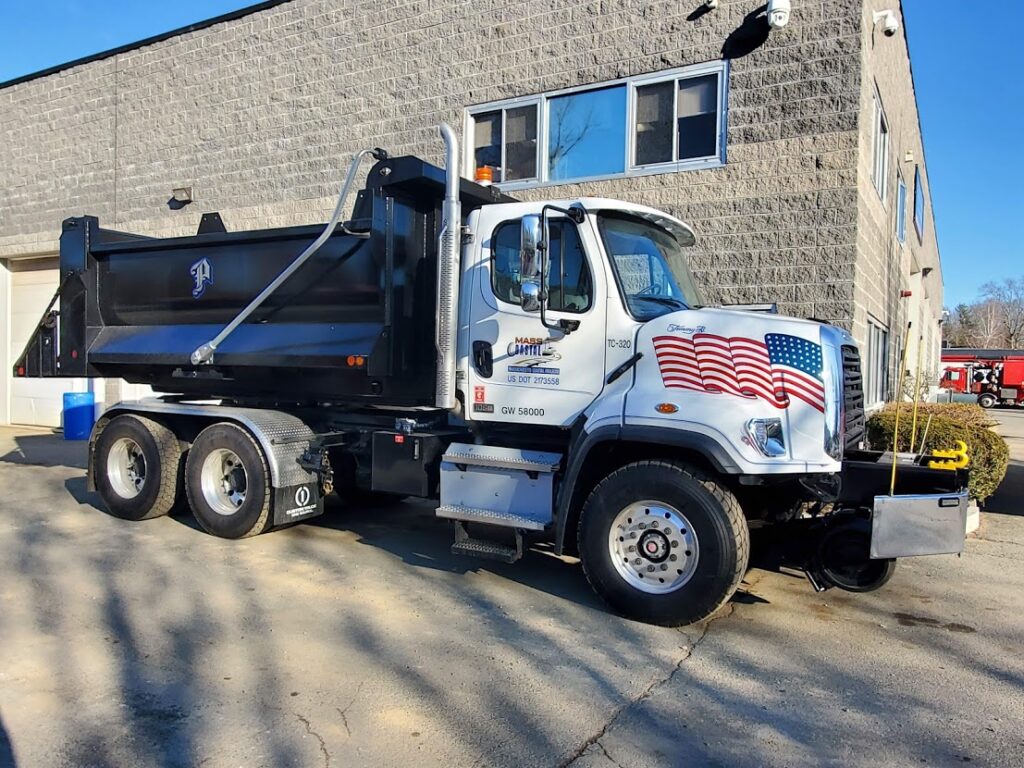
(202, 276)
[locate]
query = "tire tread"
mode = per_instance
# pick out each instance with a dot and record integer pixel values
(734, 518)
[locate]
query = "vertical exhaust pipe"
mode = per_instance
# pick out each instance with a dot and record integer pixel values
(449, 272)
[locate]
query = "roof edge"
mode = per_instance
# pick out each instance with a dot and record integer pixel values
(194, 27)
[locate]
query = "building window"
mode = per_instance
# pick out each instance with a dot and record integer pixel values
(651, 124)
(505, 140)
(876, 368)
(586, 133)
(880, 144)
(901, 208)
(918, 204)
(569, 286)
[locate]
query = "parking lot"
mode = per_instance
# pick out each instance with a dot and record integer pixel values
(359, 640)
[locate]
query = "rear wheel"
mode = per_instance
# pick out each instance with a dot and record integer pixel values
(988, 400)
(663, 543)
(137, 465)
(228, 482)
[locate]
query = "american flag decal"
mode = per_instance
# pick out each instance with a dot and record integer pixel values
(777, 369)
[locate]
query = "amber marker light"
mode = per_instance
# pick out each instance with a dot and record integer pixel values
(666, 407)
(484, 175)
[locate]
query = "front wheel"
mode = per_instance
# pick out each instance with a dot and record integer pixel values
(663, 543)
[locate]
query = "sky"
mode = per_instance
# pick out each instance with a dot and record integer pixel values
(968, 63)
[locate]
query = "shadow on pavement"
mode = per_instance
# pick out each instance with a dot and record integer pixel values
(411, 532)
(6, 750)
(1009, 496)
(46, 450)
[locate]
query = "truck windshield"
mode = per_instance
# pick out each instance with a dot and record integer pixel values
(649, 265)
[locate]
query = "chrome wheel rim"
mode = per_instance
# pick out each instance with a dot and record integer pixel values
(126, 468)
(224, 481)
(653, 547)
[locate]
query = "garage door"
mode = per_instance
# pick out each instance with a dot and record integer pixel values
(34, 401)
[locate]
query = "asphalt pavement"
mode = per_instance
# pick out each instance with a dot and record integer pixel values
(358, 640)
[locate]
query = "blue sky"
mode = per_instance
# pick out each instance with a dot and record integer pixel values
(968, 68)
(968, 62)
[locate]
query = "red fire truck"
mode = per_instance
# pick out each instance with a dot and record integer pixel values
(996, 376)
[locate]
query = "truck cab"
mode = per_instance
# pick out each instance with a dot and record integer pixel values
(620, 337)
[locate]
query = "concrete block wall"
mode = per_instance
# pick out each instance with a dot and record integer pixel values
(886, 267)
(260, 115)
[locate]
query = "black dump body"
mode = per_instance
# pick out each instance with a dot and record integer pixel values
(355, 323)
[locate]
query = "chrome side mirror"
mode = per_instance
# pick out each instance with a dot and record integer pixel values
(530, 236)
(529, 296)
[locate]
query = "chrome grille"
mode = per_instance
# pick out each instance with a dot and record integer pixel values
(853, 398)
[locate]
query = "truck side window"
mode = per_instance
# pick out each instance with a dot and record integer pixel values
(570, 287)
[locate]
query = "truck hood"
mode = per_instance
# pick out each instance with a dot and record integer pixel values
(720, 368)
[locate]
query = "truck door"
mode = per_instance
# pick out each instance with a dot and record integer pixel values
(518, 370)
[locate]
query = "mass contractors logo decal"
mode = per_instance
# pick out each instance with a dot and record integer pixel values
(535, 356)
(777, 369)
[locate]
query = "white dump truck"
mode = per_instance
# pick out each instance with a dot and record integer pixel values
(544, 371)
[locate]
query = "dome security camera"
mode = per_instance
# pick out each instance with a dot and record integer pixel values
(890, 24)
(778, 13)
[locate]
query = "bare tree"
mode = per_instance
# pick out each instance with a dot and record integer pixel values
(988, 325)
(1008, 296)
(568, 132)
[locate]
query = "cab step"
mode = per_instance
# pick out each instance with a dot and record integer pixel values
(491, 517)
(495, 485)
(467, 454)
(486, 549)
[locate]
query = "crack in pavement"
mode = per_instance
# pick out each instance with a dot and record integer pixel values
(323, 744)
(652, 688)
(343, 710)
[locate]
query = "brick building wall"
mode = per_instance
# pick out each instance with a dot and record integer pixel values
(260, 114)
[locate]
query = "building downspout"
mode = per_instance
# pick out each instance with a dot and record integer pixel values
(448, 274)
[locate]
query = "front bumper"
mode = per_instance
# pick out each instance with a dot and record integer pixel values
(918, 524)
(927, 515)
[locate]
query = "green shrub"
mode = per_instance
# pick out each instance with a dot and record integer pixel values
(962, 413)
(988, 452)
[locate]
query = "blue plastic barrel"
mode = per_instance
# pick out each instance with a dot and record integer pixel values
(79, 415)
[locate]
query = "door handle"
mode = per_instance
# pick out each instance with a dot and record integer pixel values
(483, 358)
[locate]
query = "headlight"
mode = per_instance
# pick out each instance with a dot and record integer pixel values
(766, 435)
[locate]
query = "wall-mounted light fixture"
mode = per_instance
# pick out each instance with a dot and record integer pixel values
(180, 197)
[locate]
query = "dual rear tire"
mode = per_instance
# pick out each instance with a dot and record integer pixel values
(141, 470)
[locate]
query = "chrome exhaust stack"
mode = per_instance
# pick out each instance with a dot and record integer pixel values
(448, 274)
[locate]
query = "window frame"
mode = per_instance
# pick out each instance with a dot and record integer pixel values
(720, 68)
(560, 221)
(471, 137)
(901, 208)
(876, 378)
(919, 221)
(880, 155)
